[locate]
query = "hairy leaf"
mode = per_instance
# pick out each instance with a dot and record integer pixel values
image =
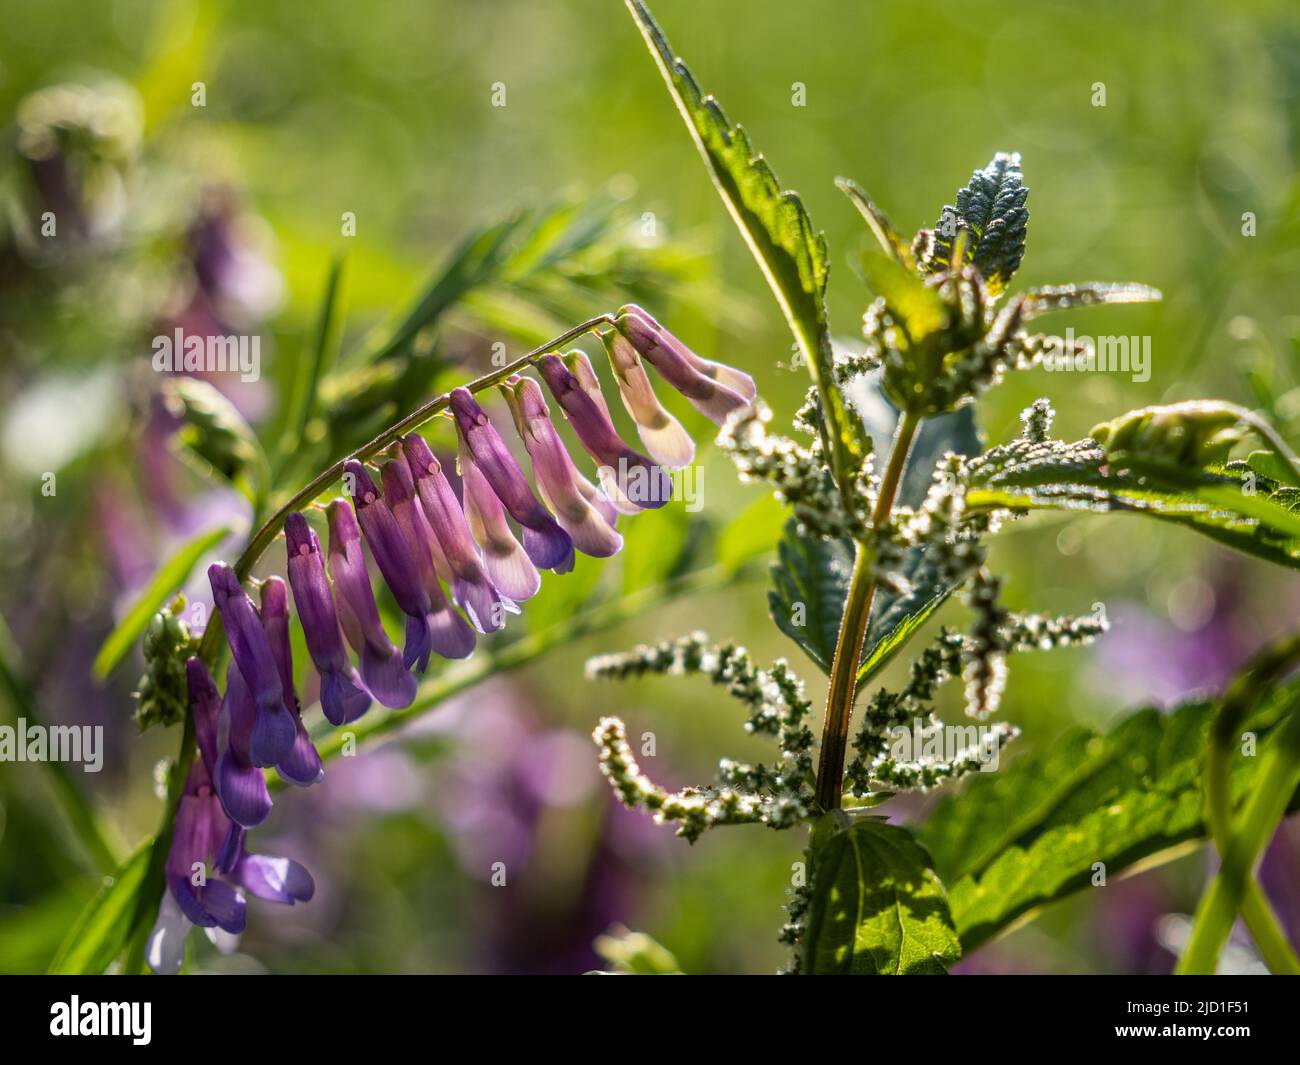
(166, 582)
(1066, 297)
(1014, 840)
(810, 580)
(1258, 517)
(877, 907)
(215, 435)
(774, 223)
(914, 304)
(992, 207)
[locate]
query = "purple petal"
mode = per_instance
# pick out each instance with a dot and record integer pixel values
(547, 544)
(664, 438)
(311, 595)
(273, 731)
(274, 879)
(239, 783)
(557, 478)
(342, 699)
(205, 709)
(387, 678)
(630, 479)
(508, 565)
(700, 381)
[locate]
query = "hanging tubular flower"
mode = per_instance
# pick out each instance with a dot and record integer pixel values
(664, 438)
(508, 564)
(239, 782)
(558, 480)
(547, 544)
(471, 587)
(302, 764)
(430, 625)
(713, 389)
(631, 480)
(200, 832)
(381, 663)
(272, 733)
(342, 698)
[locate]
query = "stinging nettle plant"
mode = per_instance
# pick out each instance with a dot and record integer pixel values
(886, 523)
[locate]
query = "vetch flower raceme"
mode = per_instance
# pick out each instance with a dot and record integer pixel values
(424, 540)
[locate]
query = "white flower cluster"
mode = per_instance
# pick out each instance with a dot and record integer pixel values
(778, 796)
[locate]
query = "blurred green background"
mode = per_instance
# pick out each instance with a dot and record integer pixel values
(315, 110)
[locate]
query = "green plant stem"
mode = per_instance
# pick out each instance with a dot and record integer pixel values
(1245, 692)
(1223, 899)
(81, 817)
(853, 629)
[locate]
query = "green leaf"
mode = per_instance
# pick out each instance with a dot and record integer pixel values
(1012, 841)
(889, 238)
(992, 207)
(752, 533)
(1271, 465)
(99, 934)
(896, 618)
(215, 434)
(810, 580)
(1077, 476)
(774, 223)
(304, 397)
(877, 907)
(166, 582)
(915, 305)
(1066, 297)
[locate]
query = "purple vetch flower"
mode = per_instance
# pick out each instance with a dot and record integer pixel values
(399, 492)
(240, 784)
(409, 512)
(664, 438)
(547, 544)
(430, 626)
(508, 564)
(381, 663)
(471, 587)
(302, 765)
(585, 374)
(631, 480)
(201, 832)
(273, 731)
(715, 390)
(558, 479)
(341, 696)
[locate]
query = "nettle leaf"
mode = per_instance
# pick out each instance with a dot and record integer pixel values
(1012, 841)
(914, 304)
(992, 208)
(810, 581)
(1251, 514)
(877, 907)
(774, 223)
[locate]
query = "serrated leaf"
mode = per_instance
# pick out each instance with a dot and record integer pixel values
(1012, 841)
(165, 584)
(1076, 476)
(877, 907)
(895, 618)
(889, 238)
(100, 932)
(810, 580)
(992, 208)
(773, 222)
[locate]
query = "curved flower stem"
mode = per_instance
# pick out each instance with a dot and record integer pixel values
(210, 647)
(853, 629)
(1236, 887)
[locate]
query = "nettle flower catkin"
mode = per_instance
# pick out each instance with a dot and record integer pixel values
(779, 796)
(456, 566)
